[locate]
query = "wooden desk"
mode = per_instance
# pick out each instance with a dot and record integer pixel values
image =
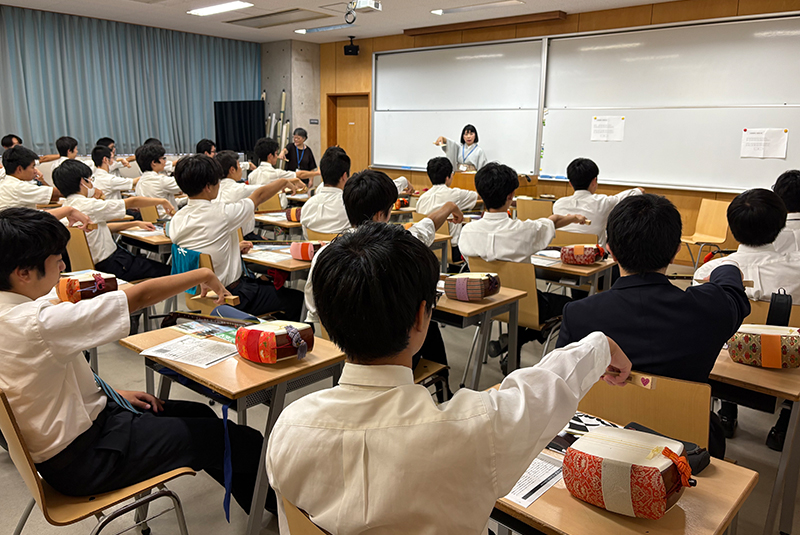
(783, 384)
(402, 215)
(297, 269)
(581, 275)
(160, 244)
(294, 228)
(239, 379)
(441, 241)
(460, 314)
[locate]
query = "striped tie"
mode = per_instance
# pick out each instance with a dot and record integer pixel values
(114, 395)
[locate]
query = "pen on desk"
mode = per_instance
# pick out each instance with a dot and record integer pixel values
(543, 483)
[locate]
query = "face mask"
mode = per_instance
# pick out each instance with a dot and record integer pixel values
(90, 193)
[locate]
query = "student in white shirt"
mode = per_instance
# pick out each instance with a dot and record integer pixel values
(788, 189)
(116, 163)
(466, 155)
(440, 172)
(209, 148)
(83, 442)
(232, 189)
(9, 140)
(211, 228)
(111, 185)
(325, 212)
(153, 183)
(374, 450)
(582, 174)
(267, 150)
(67, 148)
(18, 188)
(73, 178)
(498, 237)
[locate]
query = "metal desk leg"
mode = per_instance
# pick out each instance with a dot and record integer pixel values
(778, 491)
(337, 372)
(483, 343)
(93, 360)
(790, 486)
(149, 380)
(513, 347)
(445, 254)
(595, 282)
(262, 482)
(502, 530)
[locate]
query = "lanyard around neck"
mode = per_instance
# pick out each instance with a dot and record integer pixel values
(463, 157)
(299, 155)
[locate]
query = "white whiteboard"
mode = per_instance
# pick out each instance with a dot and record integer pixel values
(405, 139)
(685, 148)
(482, 77)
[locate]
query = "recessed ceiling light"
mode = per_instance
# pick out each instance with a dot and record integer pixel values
(221, 8)
(304, 31)
(503, 3)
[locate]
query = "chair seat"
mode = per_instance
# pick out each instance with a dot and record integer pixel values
(426, 369)
(63, 510)
(703, 238)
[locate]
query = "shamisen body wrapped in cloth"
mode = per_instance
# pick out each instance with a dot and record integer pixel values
(627, 472)
(267, 343)
(471, 286)
(766, 346)
(84, 285)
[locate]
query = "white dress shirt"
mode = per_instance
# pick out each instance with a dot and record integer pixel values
(767, 268)
(101, 242)
(212, 228)
(401, 183)
(594, 207)
(48, 382)
(112, 186)
(423, 230)
(325, 212)
(265, 173)
(23, 193)
(438, 195)
(2, 172)
(498, 237)
(231, 191)
(788, 241)
(62, 159)
(152, 184)
(376, 455)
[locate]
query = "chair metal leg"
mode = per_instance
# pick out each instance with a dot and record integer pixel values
(163, 492)
(699, 255)
(502, 530)
(24, 518)
(691, 256)
(140, 517)
(469, 359)
(549, 337)
(163, 387)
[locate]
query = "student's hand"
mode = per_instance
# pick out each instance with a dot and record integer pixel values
(409, 189)
(620, 367)
(440, 140)
(146, 225)
(457, 214)
(142, 400)
(252, 166)
(37, 175)
(124, 161)
(78, 219)
(167, 206)
(282, 155)
(213, 284)
(295, 184)
(245, 246)
(579, 219)
(136, 181)
(642, 190)
(98, 194)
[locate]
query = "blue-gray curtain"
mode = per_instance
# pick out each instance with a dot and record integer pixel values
(88, 78)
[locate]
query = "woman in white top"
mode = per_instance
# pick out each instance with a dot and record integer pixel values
(466, 155)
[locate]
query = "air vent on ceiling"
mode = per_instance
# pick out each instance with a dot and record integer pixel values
(279, 18)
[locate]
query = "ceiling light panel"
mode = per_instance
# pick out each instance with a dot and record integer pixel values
(289, 16)
(476, 7)
(219, 8)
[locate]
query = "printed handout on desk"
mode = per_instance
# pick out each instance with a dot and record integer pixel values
(764, 143)
(202, 329)
(544, 261)
(159, 231)
(543, 473)
(191, 350)
(608, 128)
(277, 217)
(266, 256)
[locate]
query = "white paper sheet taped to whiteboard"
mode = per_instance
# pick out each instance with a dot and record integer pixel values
(608, 128)
(764, 142)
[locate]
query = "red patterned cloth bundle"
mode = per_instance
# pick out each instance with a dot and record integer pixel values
(766, 346)
(85, 285)
(582, 255)
(293, 214)
(267, 343)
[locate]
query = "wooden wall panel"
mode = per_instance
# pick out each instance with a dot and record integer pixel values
(559, 188)
(420, 180)
(354, 73)
(437, 39)
(392, 42)
(327, 84)
(615, 18)
(535, 29)
(489, 34)
(753, 7)
(693, 10)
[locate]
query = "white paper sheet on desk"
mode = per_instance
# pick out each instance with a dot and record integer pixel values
(543, 473)
(192, 350)
(264, 247)
(272, 217)
(266, 256)
(298, 197)
(157, 232)
(544, 261)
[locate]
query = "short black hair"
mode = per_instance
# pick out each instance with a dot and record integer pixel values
(756, 217)
(152, 141)
(29, 238)
(226, 159)
(105, 142)
(439, 169)
(147, 154)
(67, 176)
(788, 189)
(368, 193)
(205, 146)
(469, 128)
(581, 172)
(265, 147)
(8, 141)
(193, 173)
(300, 132)
(368, 287)
(64, 144)
(334, 163)
(17, 156)
(644, 233)
(100, 152)
(494, 183)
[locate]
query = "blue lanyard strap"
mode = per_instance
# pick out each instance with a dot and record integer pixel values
(464, 158)
(299, 155)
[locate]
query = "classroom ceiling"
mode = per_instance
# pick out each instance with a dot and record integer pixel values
(397, 15)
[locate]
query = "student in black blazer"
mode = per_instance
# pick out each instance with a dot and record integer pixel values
(664, 330)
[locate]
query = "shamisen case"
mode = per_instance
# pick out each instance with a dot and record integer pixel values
(627, 472)
(766, 346)
(581, 255)
(85, 285)
(267, 343)
(304, 250)
(471, 286)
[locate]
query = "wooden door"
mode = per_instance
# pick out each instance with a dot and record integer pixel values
(353, 129)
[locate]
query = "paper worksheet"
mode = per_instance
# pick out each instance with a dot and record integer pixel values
(159, 231)
(543, 473)
(544, 261)
(266, 256)
(280, 216)
(764, 142)
(608, 128)
(191, 350)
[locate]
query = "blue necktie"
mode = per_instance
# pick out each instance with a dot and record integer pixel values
(114, 395)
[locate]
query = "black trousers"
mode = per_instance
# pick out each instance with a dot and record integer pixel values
(259, 297)
(122, 448)
(130, 267)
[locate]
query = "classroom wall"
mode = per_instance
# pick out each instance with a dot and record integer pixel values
(353, 74)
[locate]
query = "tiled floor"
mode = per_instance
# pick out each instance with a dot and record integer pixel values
(202, 497)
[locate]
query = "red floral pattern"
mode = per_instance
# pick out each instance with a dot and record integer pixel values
(745, 348)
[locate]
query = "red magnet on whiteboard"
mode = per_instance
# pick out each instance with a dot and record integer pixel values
(745, 129)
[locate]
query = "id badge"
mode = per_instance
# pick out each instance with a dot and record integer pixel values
(462, 167)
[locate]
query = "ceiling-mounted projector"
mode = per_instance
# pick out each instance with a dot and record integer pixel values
(365, 5)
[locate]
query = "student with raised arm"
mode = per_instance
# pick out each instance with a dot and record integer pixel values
(153, 183)
(211, 228)
(788, 189)
(374, 450)
(267, 150)
(111, 185)
(17, 188)
(67, 148)
(116, 163)
(232, 189)
(325, 211)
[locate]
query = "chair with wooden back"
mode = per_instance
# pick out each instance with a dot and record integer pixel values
(299, 523)
(573, 238)
(80, 256)
(760, 309)
(711, 228)
(533, 209)
(319, 236)
(675, 408)
(149, 214)
(273, 204)
(205, 304)
(61, 510)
